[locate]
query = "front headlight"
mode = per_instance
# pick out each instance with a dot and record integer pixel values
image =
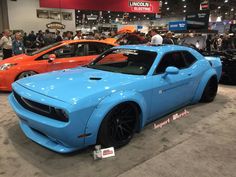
(6, 66)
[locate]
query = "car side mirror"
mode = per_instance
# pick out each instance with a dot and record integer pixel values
(171, 71)
(51, 58)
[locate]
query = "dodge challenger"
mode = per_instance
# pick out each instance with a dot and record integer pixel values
(113, 97)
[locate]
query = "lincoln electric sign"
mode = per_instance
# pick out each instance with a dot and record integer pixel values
(140, 6)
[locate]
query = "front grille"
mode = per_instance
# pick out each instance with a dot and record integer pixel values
(41, 109)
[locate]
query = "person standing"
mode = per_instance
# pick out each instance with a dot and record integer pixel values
(156, 38)
(17, 45)
(78, 35)
(58, 36)
(69, 35)
(168, 39)
(208, 43)
(40, 38)
(6, 44)
(32, 37)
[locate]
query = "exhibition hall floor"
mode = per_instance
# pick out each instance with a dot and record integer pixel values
(202, 143)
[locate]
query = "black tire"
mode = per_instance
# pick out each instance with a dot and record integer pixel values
(210, 90)
(25, 74)
(119, 125)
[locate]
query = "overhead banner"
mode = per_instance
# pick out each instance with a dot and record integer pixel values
(136, 6)
(177, 26)
(198, 20)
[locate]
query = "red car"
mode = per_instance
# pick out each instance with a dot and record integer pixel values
(61, 55)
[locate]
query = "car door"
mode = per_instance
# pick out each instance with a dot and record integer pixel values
(66, 56)
(172, 91)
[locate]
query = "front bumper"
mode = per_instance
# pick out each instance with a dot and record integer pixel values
(62, 137)
(43, 139)
(5, 81)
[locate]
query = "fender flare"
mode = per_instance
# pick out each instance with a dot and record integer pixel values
(109, 102)
(201, 86)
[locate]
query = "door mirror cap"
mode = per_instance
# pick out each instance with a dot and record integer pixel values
(171, 71)
(51, 58)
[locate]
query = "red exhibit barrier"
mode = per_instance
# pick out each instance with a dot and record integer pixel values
(136, 6)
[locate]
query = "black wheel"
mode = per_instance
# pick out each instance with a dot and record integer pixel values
(210, 90)
(119, 125)
(26, 74)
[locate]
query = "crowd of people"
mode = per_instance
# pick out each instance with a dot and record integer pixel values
(18, 43)
(220, 42)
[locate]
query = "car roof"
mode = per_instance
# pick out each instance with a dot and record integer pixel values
(84, 40)
(158, 48)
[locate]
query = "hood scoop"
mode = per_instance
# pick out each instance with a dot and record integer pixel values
(95, 78)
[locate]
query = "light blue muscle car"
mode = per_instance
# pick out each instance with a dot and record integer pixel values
(113, 97)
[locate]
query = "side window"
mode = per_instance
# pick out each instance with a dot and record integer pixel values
(65, 51)
(97, 48)
(104, 47)
(93, 49)
(171, 59)
(189, 58)
(80, 49)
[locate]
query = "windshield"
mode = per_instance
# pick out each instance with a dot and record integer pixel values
(118, 36)
(44, 49)
(126, 61)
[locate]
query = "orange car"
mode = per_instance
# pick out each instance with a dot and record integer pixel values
(121, 33)
(61, 55)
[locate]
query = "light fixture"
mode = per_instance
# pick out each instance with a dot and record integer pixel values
(219, 19)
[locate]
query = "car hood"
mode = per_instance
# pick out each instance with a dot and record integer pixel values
(16, 59)
(72, 85)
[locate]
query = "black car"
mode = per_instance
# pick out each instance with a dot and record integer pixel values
(228, 58)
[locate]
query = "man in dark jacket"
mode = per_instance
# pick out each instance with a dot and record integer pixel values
(168, 39)
(58, 36)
